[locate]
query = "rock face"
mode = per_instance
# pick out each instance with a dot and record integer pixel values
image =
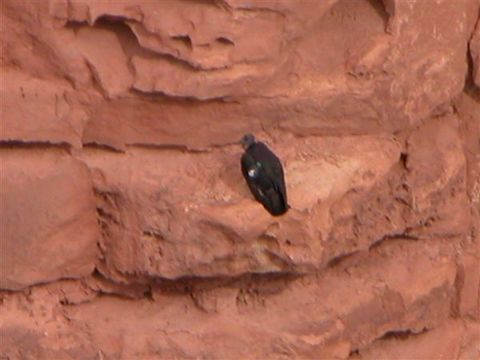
(49, 225)
(120, 169)
(475, 53)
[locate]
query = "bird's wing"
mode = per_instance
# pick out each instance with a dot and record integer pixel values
(248, 162)
(273, 168)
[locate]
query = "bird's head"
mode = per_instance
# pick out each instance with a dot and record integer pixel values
(247, 140)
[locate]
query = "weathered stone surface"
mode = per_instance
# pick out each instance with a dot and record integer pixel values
(41, 78)
(38, 110)
(194, 125)
(326, 76)
(30, 44)
(436, 167)
(214, 227)
(113, 76)
(326, 73)
(469, 281)
(475, 53)
(468, 107)
(470, 341)
(48, 221)
(443, 342)
(177, 30)
(372, 105)
(346, 194)
(386, 291)
(33, 328)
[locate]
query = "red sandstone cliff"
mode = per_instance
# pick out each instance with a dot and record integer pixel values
(128, 232)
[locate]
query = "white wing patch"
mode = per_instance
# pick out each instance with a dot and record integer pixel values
(253, 171)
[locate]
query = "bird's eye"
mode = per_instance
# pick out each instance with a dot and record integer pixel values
(252, 172)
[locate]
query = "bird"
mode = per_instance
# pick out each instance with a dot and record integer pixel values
(263, 172)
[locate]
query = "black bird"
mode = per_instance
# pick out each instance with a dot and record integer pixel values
(263, 172)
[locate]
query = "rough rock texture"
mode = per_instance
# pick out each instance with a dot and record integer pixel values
(475, 53)
(49, 226)
(127, 230)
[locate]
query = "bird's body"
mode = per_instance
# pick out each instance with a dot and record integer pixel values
(263, 172)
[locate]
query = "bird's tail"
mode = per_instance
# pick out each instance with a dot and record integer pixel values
(276, 205)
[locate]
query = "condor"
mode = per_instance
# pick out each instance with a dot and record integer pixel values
(263, 172)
